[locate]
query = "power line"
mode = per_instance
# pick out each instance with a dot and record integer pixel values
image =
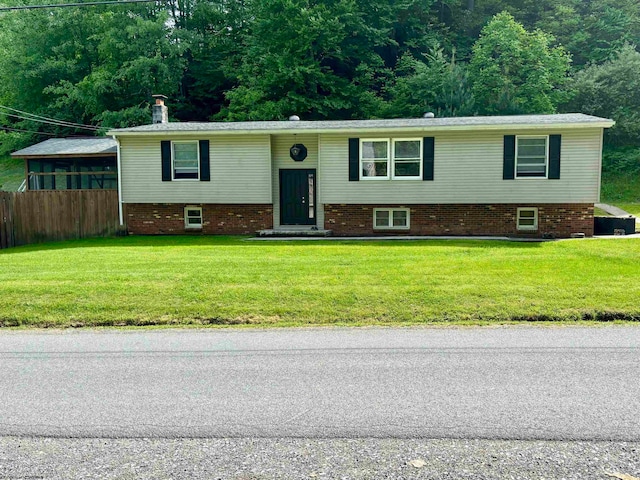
(54, 121)
(10, 129)
(57, 124)
(63, 5)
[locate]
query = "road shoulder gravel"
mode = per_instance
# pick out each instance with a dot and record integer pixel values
(293, 458)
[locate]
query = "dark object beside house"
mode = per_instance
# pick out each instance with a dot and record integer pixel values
(614, 225)
(71, 164)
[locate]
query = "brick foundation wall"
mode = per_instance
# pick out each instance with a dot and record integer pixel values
(554, 220)
(220, 219)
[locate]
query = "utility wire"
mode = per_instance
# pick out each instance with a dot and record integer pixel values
(54, 123)
(79, 125)
(10, 129)
(63, 5)
(57, 124)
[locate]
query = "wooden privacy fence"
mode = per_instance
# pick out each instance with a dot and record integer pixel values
(41, 216)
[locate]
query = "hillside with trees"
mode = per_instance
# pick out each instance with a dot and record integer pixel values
(230, 60)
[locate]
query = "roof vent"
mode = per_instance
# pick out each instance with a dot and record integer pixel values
(294, 118)
(429, 115)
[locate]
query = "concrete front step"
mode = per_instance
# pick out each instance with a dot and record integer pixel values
(294, 232)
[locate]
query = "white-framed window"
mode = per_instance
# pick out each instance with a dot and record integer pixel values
(532, 156)
(390, 158)
(192, 217)
(185, 160)
(391, 218)
(407, 158)
(374, 158)
(527, 218)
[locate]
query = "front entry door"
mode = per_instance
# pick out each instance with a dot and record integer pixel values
(297, 197)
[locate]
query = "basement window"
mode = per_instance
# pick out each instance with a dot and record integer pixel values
(391, 218)
(527, 219)
(193, 217)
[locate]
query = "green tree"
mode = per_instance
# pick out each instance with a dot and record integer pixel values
(410, 26)
(438, 84)
(611, 90)
(137, 56)
(313, 58)
(38, 49)
(88, 65)
(590, 30)
(593, 30)
(515, 71)
(215, 33)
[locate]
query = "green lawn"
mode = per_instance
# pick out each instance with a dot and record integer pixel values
(226, 280)
(11, 173)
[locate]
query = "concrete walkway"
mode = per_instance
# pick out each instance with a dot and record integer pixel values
(424, 237)
(400, 237)
(611, 210)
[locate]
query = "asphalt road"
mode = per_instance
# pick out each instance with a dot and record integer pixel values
(327, 403)
(502, 383)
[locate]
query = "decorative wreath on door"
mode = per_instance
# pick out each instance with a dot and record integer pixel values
(298, 152)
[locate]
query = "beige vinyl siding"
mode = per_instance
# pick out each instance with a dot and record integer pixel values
(240, 171)
(280, 145)
(468, 169)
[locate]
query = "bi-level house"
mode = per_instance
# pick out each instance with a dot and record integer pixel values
(531, 175)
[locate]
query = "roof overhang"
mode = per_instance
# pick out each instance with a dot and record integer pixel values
(69, 148)
(362, 129)
(74, 155)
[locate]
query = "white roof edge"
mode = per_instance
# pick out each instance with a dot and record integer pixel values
(421, 128)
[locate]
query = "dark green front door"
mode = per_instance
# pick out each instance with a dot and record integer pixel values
(297, 197)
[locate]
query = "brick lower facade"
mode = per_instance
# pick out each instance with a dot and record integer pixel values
(554, 220)
(217, 219)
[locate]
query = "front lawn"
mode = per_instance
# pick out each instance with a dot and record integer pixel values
(227, 280)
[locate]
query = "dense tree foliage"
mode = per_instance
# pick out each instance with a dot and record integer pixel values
(320, 59)
(435, 83)
(611, 90)
(515, 71)
(316, 59)
(96, 67)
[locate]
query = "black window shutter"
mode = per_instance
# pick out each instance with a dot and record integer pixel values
(428, 155)
(165, 148)
(555, 142)
(354, 159)
(205, 174)
(509, 159)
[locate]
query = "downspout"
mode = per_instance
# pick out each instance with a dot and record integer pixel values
(119, 164)
(600, 164)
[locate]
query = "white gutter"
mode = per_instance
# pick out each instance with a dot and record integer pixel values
(360, 130)
(119, 164)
